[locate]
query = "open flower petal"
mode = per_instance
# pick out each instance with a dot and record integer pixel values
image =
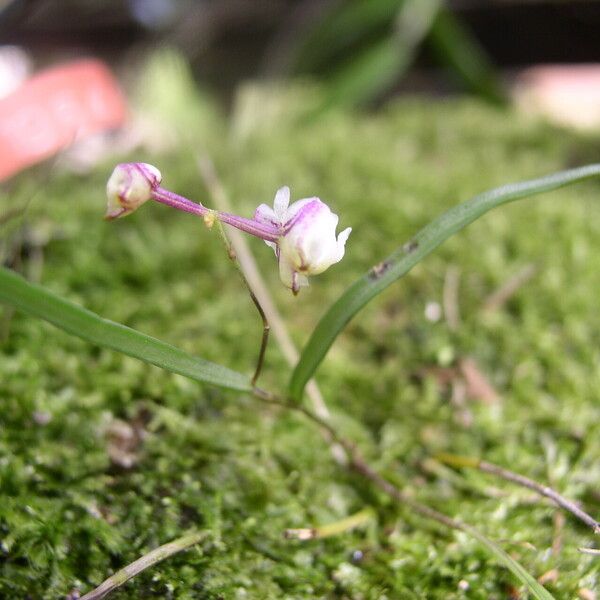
(341, 242)
(265, 214)
(281, 202)
(308, 243)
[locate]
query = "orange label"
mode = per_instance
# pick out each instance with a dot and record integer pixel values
(52, 110)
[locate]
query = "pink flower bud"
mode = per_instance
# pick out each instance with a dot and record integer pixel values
(129, 186)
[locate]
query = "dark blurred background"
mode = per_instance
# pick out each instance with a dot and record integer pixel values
(364, 50)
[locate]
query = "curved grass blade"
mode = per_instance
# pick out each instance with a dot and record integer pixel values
(406, 257)
(372, 71)
(76, 320)
(459, 50)
(340, 31)
(536, 588)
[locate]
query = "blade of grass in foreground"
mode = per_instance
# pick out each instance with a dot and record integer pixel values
(76, 320)
(406, 257)
(536, 588)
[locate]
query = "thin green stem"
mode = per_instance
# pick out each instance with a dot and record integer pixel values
(266, 327)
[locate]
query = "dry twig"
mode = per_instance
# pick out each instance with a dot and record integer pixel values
(504, 293)
(593, 551)
(141, 564)
(543, 490)
(313, 533)
(450, 297)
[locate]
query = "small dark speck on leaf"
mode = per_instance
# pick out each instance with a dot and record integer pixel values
(379, 269)
(410, 246)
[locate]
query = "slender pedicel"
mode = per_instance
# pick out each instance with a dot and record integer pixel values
(133, 184)
(261, 230)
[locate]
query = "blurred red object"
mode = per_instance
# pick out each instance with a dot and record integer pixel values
(54, 109)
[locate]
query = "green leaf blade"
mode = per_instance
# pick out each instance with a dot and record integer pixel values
(76, 320)
(536, 588)
(406, 257)
(458, 49)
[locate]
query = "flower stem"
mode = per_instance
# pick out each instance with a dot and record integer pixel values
(543, 490)
(266, 327)
(178, 202)
(148, 560)
(265, 232)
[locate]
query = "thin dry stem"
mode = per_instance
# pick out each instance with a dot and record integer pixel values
(355, 462)
(558, 520)
(313, 533)
(543, 490)
(141, 564)
(504, 293)
(593, 551)
(450, 297)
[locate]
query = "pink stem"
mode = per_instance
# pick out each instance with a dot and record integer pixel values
(179, 202)
(265, 232)
(250, 226)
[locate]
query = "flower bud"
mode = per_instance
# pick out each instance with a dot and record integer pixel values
(129, 186)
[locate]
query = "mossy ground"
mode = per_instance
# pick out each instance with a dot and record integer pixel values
(217, 461)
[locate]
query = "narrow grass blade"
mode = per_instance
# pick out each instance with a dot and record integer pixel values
(374, 69)
(366, 75)
(457, 48)
(340, 31)
(76, 320)
(406, 257)
(536, 588)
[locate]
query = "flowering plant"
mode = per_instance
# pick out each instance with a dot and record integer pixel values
(302, 235)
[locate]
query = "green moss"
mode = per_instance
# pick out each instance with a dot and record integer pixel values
(207, 459)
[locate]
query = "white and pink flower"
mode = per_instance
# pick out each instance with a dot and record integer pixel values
(301, 234)
(307, 243)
